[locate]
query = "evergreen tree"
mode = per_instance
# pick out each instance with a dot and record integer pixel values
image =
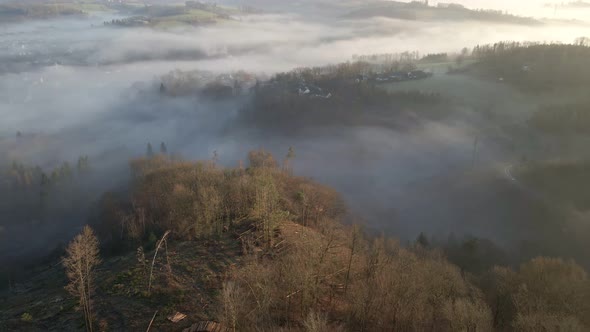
(150, 151)
(291, 153)
(54, 176)
(65, 171)
(422, 240)
(163, 148)
(288, 158)
(82, 165)
(44, 191)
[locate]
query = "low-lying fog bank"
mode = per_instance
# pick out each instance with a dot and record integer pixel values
(75, 88)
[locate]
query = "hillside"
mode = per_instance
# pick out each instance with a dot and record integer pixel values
(15, 12)
(556, 74)
(560, 182)
(418, 11)
(294, 166)
(259, 248)
(163, 16)
(136, 13)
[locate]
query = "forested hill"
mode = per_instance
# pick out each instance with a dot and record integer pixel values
(256, 248)
(15, 12)
(418, 11)
(536, 66)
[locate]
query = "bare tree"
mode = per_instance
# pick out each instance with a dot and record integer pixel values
(355, 236)
(82, 256)
(232, 302)
(316, 322)
(582, 41)
(266, 204)
(287, 163)
(552, 292)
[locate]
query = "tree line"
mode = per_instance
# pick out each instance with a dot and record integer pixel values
(33, 193)
(536, 66)
(302, 269)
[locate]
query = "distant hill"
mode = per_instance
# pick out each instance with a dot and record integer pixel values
(418, 11)
(574, 4)
(536, 67)
(192, 13)
(24, 10)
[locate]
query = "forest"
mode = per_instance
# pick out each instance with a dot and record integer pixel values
(293, 166)
(288, 262)
(16, 12)
(342, 94)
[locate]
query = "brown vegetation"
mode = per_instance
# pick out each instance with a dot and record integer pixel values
(260, 249)
(196, 200)
(81, 259)
(304, 270)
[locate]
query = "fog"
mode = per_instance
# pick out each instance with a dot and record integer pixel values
(76, 87)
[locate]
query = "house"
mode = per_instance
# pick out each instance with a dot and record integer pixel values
(450, 6)
(130, 21)
(398, 76)
(312, 91)
(361, 78)
(402, 76)
(418, 74)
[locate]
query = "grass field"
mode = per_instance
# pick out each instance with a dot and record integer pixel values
(192, 17)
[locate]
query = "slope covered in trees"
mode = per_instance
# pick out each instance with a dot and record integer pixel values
(34, 197)
(560, 180)
(555, 75)
(257, 248)
(536, 67)
(344, 94)
(417, 10)
(14, 12)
